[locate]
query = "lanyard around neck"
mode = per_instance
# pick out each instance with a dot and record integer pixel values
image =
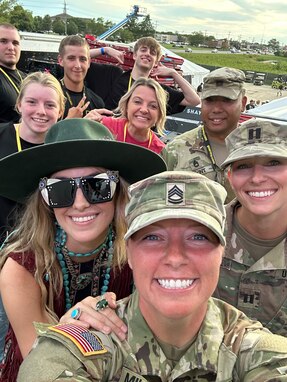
(19, 146)
(125, 135)
(66, 91)
(10, 79)
(130, 82)
(208, 147)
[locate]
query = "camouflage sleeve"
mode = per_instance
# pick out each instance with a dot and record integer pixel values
(66, 352)
(51, 361)
(263, 357)
(169, 155)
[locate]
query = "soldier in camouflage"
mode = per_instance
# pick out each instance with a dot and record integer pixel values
(253, 274)
(176, 331)
(203, 149)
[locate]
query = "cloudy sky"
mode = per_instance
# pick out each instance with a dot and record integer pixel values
(258, 20)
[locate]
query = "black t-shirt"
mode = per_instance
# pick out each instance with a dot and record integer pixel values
(121, 85)
(8, 94)
(100, 79)
(73, 98)
(8, 145)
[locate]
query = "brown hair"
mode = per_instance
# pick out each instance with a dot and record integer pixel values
(73, 40)
(151, 43)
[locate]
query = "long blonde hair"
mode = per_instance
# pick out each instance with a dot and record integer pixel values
(161, 97)
(35, 232)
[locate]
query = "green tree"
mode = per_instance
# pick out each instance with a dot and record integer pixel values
(22, 19)
(146, 27)
(125, 35)
(80, 24)
(196, 38)
(38, 22)
(58, 26)
(274, 44)
(133, 27)
(46, 23)
(6, 6)
(72, 27)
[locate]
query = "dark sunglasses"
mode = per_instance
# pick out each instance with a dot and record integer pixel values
(59, 193)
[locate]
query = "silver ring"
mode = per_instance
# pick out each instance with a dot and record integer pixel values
(102, 304)
(76, 313)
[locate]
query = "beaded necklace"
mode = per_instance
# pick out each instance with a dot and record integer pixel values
(73, 280)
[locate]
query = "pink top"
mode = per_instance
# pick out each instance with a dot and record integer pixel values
(117, 125)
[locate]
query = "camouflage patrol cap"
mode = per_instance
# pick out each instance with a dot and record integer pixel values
(174, 195)
(223, 82)
(256, 138)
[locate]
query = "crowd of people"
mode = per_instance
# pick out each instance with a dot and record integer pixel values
(126, 259)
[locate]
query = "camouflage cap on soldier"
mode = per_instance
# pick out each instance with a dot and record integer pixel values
(223, 82)
(174, 195)
(256, 138)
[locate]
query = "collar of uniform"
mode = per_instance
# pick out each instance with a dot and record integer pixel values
(201, 355)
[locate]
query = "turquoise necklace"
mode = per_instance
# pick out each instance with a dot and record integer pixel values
(80, 281)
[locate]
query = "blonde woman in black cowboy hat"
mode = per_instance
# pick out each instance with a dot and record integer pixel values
(69, 242)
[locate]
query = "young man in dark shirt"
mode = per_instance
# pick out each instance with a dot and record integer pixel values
(147, 53)
(10, 76)
(74, 57)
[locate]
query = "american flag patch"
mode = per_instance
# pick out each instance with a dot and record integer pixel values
(87, 342)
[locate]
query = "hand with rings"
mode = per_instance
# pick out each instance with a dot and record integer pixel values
(97, 313)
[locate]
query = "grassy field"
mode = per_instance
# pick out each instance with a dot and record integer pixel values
(257, 63)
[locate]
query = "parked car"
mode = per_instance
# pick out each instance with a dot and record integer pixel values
(188, 50)
(249, 75)
(214, 51)
(259, 79)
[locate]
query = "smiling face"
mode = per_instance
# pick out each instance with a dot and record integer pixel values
(142, 110)
(145, 58)
(220, 115)
(260, 184)
(40, 109)
(76, 62)
(9, 47)
(175, 264)
(86, 224)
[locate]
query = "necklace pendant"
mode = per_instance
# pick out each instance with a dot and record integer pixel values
(81, 281)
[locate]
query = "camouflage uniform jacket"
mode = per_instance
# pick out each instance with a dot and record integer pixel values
(189, 152)
(259, 288)
(228, 347)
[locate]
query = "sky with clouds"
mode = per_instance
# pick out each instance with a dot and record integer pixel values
(252, 20)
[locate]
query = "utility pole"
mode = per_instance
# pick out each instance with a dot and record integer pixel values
(65, 17)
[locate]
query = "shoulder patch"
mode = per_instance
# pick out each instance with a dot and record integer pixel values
(85, 340)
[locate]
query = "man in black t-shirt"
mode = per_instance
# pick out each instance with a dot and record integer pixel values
(147, 53)
(10, 76)
(74, 57)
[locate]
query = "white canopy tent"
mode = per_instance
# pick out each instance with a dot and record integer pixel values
(276, 109)
(192, 72)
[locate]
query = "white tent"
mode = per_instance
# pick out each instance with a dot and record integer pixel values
(192, 72)
(276, 109)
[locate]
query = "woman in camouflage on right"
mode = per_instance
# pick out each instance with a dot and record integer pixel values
(253, 275)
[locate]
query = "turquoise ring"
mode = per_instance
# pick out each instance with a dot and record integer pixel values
(102, 304)
(76, 313)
